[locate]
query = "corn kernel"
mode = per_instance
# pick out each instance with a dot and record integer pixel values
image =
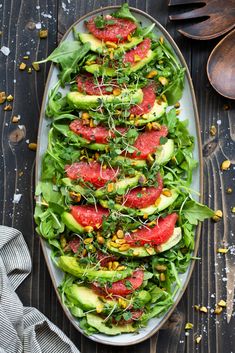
(124, 247)
(225, 165)
(88, 241)
(222, 303)
(85, 115)
(152, 74)
(110, 187)
(111, 45)
(120, 234)
(115, 265)
(188, 326)
(88, 229)
(163, 80)
(99, 308)
(32, 146)
(117, 91)
(167, 192)
(222, 250)
(218, 310)
(203, 309)
(22, 66)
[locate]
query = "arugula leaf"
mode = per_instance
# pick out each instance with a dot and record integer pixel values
(124, 12)
(194, 212)
(64, 53)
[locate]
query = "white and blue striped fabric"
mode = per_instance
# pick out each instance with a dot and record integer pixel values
(23, 329)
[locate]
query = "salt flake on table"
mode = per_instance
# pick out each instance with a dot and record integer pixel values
(38, 25)
(46, 15)
(218, 122)
(16, 198)
(5, 50)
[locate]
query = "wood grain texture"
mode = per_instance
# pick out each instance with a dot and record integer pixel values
(213, 278)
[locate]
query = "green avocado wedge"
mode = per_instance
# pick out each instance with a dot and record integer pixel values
(84, 101)
(155, 113)
(165, 201)
(70, 265)
(142, 251)
(120, 187)
(71, 223)
(100, 47)
(111, 72)
(97, 322)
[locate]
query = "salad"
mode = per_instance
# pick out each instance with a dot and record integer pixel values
(114, 199)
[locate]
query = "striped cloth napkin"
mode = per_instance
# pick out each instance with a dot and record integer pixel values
(23, 329)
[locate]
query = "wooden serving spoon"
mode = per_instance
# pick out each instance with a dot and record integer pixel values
(221, 66)
(217, 18)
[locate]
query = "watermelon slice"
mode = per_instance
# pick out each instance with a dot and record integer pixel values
(91, 172)
(157, 235)
(118, 31)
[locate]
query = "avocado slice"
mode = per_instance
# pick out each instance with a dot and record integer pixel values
(99, 46)
(120, 187)
(97, 322)
(163, 154)
(165, 201)
(155, 113)
(83, 101)
(71, 265)
(71, 223)
(109, 71)
(86, 298)
(142, 251)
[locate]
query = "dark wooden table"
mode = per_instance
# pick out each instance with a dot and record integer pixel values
(214, 275)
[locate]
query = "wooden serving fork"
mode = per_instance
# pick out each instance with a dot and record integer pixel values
(219, 14)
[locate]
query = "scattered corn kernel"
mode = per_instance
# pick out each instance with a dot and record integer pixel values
(148, 127)
(85, 115)
(136, 58)
(177, 105)
(43, 33)
(229, 190)
(121, 268)
(163, 80)
(36, 66)
(225, 165)
(32, 146)
(114, 238)
(117, 91)
(188, 326)
(157, 202)
(203, 309)
(213, 130)
(99, 308)
(3, 97)
(22, 66)
(120, 241)
(8, 107)
(198, 339)
(162, 277)
(110, 265)
(156, 126)
(115, 265)
(88, 241)
(177, 112)
(161, 268)
(217, 216)
(111, 45)
(222, 303)
(100, 240)
(124, 247)
(233, 209)
(167, 192)
(150, 158)
(26, 57)
(115, 245)
(75, 196)
(196, 307)
(222, 250)
(120, 234)
(88, 229)
(218, 310)
(110, 187)
(15, 119)
(152, 74)
(10, 98)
